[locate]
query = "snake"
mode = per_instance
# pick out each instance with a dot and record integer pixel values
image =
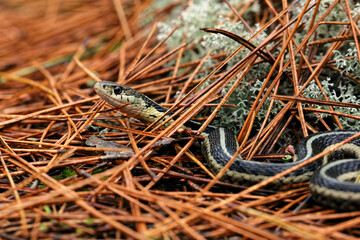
(332, 177)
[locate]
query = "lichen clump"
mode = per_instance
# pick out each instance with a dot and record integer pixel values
(215, 14)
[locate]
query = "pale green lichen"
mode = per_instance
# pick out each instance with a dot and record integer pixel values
(339, 92)
(198, 14)
(348, 63)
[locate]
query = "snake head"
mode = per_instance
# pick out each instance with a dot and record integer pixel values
(134, 104)
(115, 94)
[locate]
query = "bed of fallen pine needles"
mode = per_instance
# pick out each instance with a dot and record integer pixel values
(53, 185)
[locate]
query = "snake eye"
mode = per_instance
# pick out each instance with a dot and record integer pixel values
(117, 90)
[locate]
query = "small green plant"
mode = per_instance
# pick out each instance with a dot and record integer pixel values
(43, 227)
(99, 170)
(287, 158)
(67, 172)
(47, 209)
(89, 221)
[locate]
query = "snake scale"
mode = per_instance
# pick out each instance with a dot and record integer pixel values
(331, 180)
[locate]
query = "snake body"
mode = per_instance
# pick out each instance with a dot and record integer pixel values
(332, 185)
